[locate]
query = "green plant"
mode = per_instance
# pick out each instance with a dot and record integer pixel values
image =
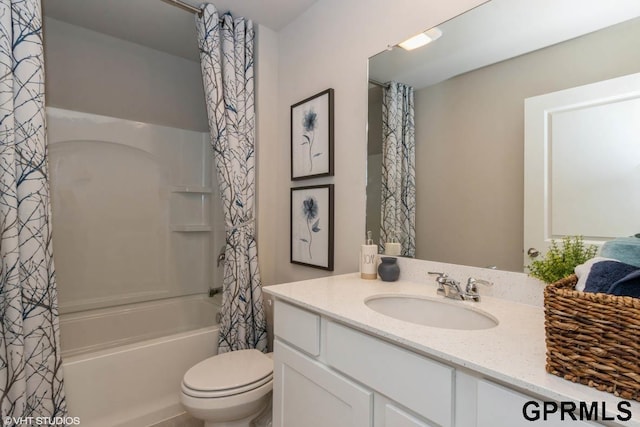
(560, 261)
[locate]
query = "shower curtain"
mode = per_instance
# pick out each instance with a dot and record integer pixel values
(398, 209)
(226, 56)
(30, 365)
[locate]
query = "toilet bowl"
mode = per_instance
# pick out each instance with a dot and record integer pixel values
(230, 389)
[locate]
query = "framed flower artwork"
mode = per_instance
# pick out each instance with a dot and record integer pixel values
(312, 136)
(312, 226)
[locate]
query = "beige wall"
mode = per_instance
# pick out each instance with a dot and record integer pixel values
(266, 73)
(95, 73)
(469, 145)
(328, 46)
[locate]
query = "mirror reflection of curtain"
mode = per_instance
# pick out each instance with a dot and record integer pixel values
(398, 168)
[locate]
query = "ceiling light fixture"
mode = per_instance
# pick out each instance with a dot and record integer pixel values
(421, 39)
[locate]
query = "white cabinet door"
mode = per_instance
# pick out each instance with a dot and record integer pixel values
(306, 393)
(388, 414)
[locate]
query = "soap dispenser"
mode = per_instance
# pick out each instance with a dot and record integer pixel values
(392, 248)
(368, 259)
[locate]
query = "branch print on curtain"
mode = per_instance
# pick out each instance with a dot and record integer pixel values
(30, 365)
(398, 168)
(227, 60)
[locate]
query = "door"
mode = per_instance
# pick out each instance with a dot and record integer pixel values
(582, 164)
(306, 393)
(389, 414)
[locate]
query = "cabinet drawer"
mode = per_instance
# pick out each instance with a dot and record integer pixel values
(501, 407)
(418, 383)
(298, 327)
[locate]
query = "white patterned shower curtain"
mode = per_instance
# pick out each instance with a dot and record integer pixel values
(30, 365)
(398, 209)
(227, 60)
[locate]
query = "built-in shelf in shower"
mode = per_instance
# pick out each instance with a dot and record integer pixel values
(191, 228)
(190, 189)
(190, 208)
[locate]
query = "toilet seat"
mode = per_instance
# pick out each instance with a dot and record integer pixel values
(225, 393)
(228, 374)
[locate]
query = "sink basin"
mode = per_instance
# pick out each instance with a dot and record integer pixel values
(430, 312)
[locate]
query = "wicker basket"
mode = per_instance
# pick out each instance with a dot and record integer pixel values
(593, 339)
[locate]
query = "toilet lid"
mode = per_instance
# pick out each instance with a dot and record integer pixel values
(229, 371)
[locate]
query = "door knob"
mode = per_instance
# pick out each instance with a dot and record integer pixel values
(533, 252)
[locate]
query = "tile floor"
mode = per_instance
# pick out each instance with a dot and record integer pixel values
(183, 420)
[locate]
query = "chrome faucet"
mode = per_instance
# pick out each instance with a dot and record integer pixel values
(450, 288)
(471, 293)
(447, 287)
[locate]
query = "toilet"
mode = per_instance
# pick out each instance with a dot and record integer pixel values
(230, 389)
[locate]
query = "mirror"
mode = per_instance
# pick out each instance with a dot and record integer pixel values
(469, 91)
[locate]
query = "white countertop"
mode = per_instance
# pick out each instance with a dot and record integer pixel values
(512, 352)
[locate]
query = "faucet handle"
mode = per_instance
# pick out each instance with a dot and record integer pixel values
(472, 282)
(442, 277)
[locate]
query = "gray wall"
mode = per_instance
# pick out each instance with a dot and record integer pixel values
(95, 73)
(469, 145)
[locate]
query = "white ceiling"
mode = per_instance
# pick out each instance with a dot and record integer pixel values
(495, 31)
(162, 26)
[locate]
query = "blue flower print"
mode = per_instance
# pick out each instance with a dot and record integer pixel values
(310, 212)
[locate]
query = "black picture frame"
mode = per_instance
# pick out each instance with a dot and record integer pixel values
(311, 226)
(312, 136)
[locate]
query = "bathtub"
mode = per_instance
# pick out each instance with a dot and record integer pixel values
(123, 366)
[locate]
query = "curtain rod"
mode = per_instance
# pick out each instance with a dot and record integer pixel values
(377, 83)
(184, 6)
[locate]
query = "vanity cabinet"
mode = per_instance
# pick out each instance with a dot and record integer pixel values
(326, 374)
(329, 374)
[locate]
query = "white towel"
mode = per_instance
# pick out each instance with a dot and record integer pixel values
(582, 271)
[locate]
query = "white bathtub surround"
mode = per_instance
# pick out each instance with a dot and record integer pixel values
(511, 353)
(134, 210)
(100, 329)
(133, 258)
(125, 363)
(229, 44)
(137, 384)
